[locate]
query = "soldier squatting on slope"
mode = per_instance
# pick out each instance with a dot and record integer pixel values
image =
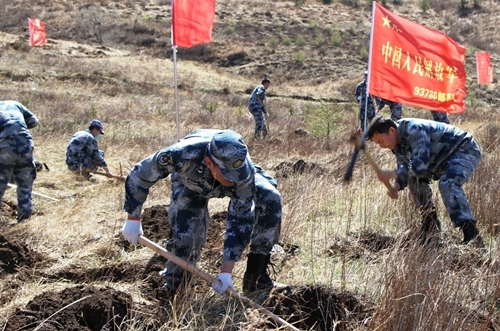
(83, 154)
(203, 165)
(425, 151)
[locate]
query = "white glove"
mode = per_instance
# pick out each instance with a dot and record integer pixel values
(131, 230)
(359, 98)
(225, 280)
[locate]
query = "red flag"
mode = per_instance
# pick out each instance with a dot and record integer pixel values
(415, 65)
(192, 22)
(37, 32)
(483, 67)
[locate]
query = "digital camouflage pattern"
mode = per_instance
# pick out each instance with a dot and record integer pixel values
(439, 116)
(433, 150)
(254, 211)
(360, 94)
(396, 108)
(16, 154)
(83, 154)
(257, 109)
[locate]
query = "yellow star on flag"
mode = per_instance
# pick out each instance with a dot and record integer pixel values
(387, 22)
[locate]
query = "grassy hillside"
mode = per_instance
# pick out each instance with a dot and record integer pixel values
(346, 249)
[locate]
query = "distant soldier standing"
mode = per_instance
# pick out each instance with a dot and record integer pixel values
(16, 154)
(396, 108)
(257, 107)
(203, 165)
(83, 154)
(361, 95)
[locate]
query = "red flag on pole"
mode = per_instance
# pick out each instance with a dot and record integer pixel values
(415, 65)
(192, 22)
(483, 67)
(37, 32)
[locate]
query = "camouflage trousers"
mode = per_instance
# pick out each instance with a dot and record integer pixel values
(440, 117)
(260, 122)
(83, 164)
(457, 170)
(370, 113)
(17, 163)
(396, 112)
(189, 217)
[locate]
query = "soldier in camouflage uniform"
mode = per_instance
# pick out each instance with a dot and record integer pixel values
(16, 154)
(210, 164)
(83, 154)
(360, 94)
(425, 151)
(396, 109)
(257, 107)
(440, 117)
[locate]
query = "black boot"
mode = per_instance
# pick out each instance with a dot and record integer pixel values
(471, 233)
(431, 226)
(256, 277)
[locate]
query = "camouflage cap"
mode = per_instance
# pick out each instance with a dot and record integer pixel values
(97, 124)
(228, 151)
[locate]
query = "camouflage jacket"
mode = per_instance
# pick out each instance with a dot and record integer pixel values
(360, 94)
(15, 122)
(83, 145)
(257, 98)
(185, 162)
(424, 147)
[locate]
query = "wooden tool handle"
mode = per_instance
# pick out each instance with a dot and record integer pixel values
(210, 279)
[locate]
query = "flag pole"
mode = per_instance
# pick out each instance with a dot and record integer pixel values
(174, 49)
(370, 50)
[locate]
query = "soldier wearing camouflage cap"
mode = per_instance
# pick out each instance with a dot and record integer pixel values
(83, 154)
(203, 165)
(16, 157)
(425, 151)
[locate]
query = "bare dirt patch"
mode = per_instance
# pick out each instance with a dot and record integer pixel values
(77, 309)
(319, 308)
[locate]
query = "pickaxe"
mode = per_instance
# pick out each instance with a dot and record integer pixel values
(210, 279)
(35, 193)
(359, 145)
(104, 174)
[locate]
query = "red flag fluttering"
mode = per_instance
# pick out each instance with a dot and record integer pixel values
(415, 65)
(192, 22)
(37, 32)
(484, 68)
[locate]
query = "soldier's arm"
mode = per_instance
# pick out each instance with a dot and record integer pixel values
(29, 117)
(144, 175)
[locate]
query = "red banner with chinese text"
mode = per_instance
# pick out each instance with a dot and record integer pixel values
(37, 32)
(415, 65)
(192, 22)
(484, 68)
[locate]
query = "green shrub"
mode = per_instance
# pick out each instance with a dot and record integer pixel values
(323, 121)
(425, 5)
(299, 57)
(300, 41)
(335, 39)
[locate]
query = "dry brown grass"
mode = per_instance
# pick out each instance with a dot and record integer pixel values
(67, 84)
